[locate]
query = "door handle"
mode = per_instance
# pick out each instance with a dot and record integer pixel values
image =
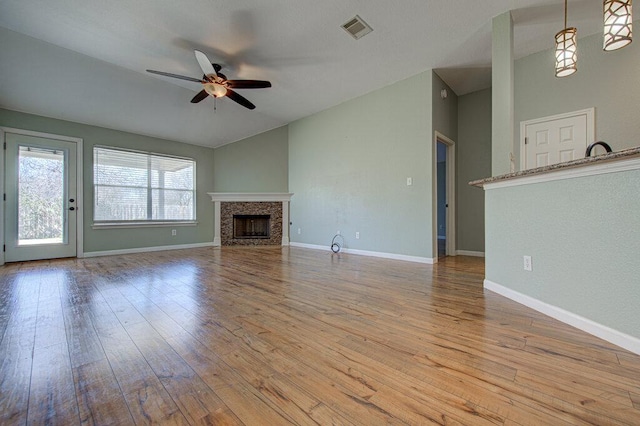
(72, 208)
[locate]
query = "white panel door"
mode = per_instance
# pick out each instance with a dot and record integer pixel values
(555, 140)
(40, 207)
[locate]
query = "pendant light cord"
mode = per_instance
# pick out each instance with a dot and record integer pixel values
(565, 13)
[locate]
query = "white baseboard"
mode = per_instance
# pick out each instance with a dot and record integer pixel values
(145, 249)
(470, 253)
(394, 256)
(616, 337)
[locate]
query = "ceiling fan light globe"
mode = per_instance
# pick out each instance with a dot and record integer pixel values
(216, 90)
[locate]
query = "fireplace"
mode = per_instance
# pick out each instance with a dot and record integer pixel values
(233, 213)
(251, 226)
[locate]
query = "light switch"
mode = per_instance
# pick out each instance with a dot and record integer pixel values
(409, 181)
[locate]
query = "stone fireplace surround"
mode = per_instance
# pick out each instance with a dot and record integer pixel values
(244, 202)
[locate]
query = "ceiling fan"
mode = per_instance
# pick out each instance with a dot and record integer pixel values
(216, 84)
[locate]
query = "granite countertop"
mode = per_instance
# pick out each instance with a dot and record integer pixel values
(626, 153)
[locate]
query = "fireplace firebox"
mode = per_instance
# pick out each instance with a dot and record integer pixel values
(251, 226)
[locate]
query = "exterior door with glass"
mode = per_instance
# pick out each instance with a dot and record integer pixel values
(40, 206)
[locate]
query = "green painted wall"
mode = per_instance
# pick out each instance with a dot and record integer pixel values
(473, 162)
(348, 168)
(256, 164)
(584, 239)
(445, 111)
(116, 239)
(607, 81)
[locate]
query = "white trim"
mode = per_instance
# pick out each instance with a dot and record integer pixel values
(470, 253)
(616, 337)
(146, 249)
(137, 151)
(149, 224)
(451, 194)
(2, 140)
(285, 223)
(217, 240)
(41, 135)
(79, 198)
(393, 256)
(596, 168)
(250, 196)
(79, 181)
(589, 113)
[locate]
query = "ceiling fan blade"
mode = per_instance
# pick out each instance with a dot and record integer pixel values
(181, 77)
(248, 84)
(205, 63)
(240, 99)
(199, 97)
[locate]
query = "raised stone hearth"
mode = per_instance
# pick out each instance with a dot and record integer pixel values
(228, 205)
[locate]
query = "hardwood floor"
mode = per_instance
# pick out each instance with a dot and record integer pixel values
(270, 336)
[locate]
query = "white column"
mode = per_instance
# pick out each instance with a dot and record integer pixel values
(502, 115)
(285, 223)
(217, 241)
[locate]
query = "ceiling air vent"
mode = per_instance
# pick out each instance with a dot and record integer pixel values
(357, 27)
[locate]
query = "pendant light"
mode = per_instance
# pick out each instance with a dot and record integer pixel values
(617, 24)
(566, 57)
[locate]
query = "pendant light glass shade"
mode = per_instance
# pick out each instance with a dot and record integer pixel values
(617, 24)
(566, 56)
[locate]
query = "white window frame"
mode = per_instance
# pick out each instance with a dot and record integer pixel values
(143, 222)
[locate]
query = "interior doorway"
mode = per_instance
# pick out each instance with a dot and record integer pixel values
(444, 199)
(441, 170)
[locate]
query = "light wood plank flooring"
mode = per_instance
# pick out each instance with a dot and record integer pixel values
(271, 336)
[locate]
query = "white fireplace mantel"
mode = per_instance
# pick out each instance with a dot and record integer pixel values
(250, 197)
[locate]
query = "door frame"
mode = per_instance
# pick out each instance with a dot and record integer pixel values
(79, 182)
(591, 128)
(451, 195)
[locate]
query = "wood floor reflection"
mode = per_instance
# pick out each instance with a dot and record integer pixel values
(270, 336)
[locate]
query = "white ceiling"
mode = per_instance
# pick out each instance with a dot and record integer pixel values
(85, 61)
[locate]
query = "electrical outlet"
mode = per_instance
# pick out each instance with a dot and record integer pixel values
(409, 181)
(357, 235)
(173, 232)
(528, 266)
(299, 230)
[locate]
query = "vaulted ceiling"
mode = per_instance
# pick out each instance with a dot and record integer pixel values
(85, 61)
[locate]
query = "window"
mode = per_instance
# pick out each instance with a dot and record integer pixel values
(133, 186)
